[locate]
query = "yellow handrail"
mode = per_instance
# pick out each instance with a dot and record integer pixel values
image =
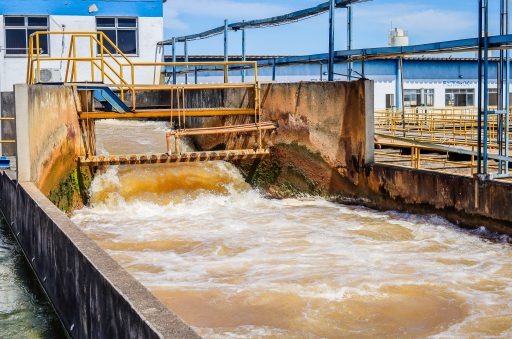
(106, 48)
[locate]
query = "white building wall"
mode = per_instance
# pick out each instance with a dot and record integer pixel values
(150, 31)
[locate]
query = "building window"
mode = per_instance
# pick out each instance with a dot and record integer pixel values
(18, 30)
(418, 97)
(493, 97)
(460, 97)
(390, 100)
(122, 32)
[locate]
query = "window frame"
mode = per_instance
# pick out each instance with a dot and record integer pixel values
(116, 28)
(26, 28)
(423, 97)
(459, 91)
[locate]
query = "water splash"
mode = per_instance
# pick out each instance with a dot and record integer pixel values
(234, 264)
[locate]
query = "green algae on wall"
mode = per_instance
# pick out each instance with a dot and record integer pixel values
(283, 179)
(72, 191)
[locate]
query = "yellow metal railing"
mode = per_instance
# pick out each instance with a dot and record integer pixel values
(456, 126)
(115, 68)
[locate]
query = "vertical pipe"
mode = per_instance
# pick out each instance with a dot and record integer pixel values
(185, 51)
(398, 85)
(274, 69)
(486, 84)
(349, 40)
(195, 75)
(226, 58)
(507, 88)
(402, 95)
(479, 128)
(244, 58)
(330, 76)
(174, 80)
(501, 90)
(321, 71)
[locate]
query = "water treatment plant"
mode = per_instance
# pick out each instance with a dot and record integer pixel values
(150, 192)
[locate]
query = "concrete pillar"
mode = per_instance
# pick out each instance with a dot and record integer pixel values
(22, 132)
(369, 122)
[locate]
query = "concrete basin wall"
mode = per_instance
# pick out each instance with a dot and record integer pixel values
(324, 146)
(93, 296)
(48, 133)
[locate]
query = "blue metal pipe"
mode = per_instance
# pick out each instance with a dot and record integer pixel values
(486, 85)
(330, 76)
(174, 80)
(226, 40)
(349, 39)
(185, 51)
(398, 85)
(274, 70)
(243, 54)
(273, 21)
(480, 39)
(507, 89)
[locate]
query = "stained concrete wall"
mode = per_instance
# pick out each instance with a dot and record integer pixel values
(48, 133)
(331, 119)
(93, 296)
(324, 146)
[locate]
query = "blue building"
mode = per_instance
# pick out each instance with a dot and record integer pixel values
(135, 26)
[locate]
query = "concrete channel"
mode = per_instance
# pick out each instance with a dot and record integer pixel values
(323, 145)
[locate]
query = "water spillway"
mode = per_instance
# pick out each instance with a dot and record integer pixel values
(230, 262)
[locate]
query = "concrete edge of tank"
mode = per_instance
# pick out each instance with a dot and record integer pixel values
(92, 294)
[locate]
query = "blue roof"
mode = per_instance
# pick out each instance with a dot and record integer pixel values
(139, 8)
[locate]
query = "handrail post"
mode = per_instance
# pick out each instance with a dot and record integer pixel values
(74, 61)
(30, 56)
(102, 59)
(38, 58)
(91, 47)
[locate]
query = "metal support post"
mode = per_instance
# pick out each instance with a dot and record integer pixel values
(330, 76)
(226, 58)
(480, 46)
(185, 51)
(244, 58)
(274, 69)
(486, 86)
(398, 84)
(174, 80)
(507, 89)
(349, 40)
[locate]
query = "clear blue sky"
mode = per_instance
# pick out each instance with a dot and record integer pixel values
(425, 20)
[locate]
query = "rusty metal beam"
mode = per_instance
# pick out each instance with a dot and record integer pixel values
(164, 158)
(263, 126)
(167, 113)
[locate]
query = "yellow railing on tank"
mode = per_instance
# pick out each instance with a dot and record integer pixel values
(111, 63)
(456, 126)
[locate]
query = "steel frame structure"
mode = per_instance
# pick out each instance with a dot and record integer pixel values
(328, 6)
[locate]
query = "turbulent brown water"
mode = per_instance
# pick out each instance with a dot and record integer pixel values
(234, 264)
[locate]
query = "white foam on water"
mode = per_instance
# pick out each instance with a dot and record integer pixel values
(199, 228)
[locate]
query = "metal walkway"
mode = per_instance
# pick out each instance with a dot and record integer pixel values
(140, 159)
(101, 77)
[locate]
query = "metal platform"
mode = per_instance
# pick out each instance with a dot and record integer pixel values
(164, 158)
